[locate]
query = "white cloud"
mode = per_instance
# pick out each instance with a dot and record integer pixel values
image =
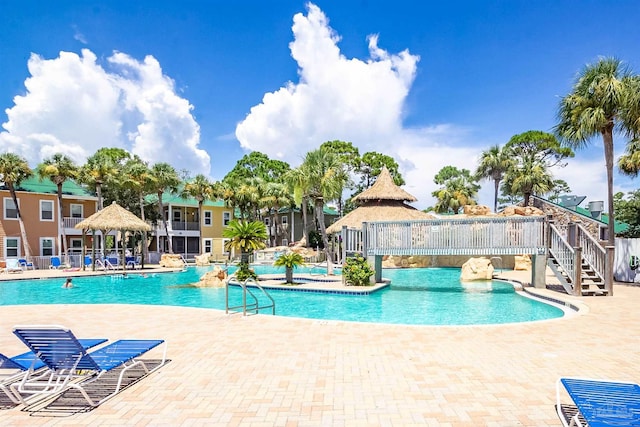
(75, 106)
(353, 100)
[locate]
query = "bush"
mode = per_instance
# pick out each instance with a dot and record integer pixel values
(357, 271)
(244, 272)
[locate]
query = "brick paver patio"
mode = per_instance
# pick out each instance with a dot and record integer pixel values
(229, 370)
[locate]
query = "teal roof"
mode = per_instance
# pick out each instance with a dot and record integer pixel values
(328, 210)
(172, 199)
(619, 226)
(34, 185)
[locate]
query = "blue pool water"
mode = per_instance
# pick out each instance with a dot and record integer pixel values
(430, 296)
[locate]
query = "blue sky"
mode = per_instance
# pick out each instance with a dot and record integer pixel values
(200, 83)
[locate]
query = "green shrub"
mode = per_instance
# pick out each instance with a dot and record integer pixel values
(244, 272)
(357, 271)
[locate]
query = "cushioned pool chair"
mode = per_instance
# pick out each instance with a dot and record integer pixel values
(26, 264)
(70, 366)
(55, 263)
(12, 368)
(600, 402)
(13, 266)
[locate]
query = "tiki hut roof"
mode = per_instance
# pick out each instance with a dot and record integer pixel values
(384, 210)
(113, 217)
(384, 189)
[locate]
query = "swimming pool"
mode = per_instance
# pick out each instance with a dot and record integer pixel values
(429, 296)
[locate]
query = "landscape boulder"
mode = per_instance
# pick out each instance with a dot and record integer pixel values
(476, 269)
(212, 279)
(203, 260)
(522, 262)
(171, 261)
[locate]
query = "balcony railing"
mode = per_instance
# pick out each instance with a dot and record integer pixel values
(184, 225)
(70, 222)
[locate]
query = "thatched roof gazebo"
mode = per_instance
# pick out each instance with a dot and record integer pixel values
(113, 217)
(383, 201)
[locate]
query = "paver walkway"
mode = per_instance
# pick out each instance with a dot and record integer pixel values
(229, 370)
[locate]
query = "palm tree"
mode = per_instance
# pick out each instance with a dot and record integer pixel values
(629, 163)
(529, 177)
(603, 101)
(325, 178)
(99, 169)
(201, 189)
(493, 164)
(165, 178)
(59, 168)
(13, 170)
(275, 195)
(245, 236)
(138, 178)
(298, 183)
(289, 261)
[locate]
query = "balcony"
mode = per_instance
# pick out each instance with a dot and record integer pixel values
(184, 225)
(70, 222)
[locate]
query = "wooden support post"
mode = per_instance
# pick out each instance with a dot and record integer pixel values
(608, 269)
(577, 271)
(539, 271)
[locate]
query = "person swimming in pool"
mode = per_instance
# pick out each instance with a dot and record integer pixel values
(67, 283)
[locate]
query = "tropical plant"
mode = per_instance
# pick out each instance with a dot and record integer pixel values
(458, 189)
(494, 163)
(604, 100)
(627, 208)
(13, 170)
(289, 261)
(245, 236)
(201, 189)
(325, 180)
(59, 168)
(357, 271)
(165, 178)
(527, 178)
(98, 170)
(298, 182)
(370, 167)
(349, 157)
(275, 195)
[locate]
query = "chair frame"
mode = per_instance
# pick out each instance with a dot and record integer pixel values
(72, 367)
(56, 267)
(13, 266)
(22, 262)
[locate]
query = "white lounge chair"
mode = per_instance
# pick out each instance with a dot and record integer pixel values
(13, 266)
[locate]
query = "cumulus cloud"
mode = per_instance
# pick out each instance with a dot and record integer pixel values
(355, 100)
(75, 105)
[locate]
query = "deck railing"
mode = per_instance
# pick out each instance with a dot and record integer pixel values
(456, 236)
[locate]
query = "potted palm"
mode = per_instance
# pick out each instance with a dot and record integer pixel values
(289, 261)
(245, 236)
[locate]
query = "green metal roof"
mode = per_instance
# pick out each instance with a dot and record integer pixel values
(328, 210)
(618, 226)
(172, 199)
(34, 185)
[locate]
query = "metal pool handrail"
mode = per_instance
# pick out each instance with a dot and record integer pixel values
(255, 306)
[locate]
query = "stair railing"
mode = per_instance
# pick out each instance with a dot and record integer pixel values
(565, 256)
(597, 256)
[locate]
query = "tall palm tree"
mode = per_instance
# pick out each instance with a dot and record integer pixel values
(201, 189)
(275, 195)
(298, 182)
(98, 169)
(13, 170)
(529, 177)
(59, 168)
(138, 178)
(494, 162)
(165, 178)
(326, 179)
(602, 101)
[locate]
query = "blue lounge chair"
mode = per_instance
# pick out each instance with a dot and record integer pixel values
(70, 366)
(12, 368)
(600, 403)
(55, 263)
(26, 264)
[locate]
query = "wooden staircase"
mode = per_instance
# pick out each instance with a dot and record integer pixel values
(591, 282)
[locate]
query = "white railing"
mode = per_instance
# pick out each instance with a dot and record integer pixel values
(592, 252)
(563, 253)
(70, 222)
(456, 236)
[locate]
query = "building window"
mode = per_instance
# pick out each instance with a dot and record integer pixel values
(285, 242)
(224, 246)
(285, 220)
(226, 217)
(46, 246)
(75, 245)
(267, 222)
(208, 215)
(207, 245)
(46, 210)
(10, 211)
(11, 247)
(77, 211)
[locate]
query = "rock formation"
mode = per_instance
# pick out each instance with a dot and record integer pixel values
(212, 279)
(171, 261)
(476, 269)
